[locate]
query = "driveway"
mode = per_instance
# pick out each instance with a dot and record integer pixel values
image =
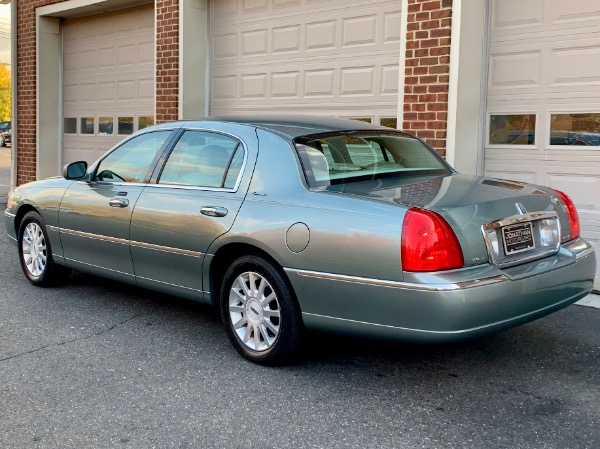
(99, 364)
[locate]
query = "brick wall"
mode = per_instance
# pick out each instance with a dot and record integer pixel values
(427, 69)
(167, 60)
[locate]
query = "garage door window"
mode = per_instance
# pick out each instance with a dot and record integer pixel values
(579, 129)
(87, 125)
(105, 126)
(125, 125)
(145, 122)
(390, 122)
(512, 129)
(70, 125)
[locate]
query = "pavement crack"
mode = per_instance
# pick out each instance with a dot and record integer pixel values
(85, 337)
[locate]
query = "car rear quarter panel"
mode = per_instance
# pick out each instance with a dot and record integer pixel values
(347, 235)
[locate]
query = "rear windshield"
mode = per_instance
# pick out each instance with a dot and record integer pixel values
(343, 157)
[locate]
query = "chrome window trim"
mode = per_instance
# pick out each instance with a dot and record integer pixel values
(403, 285)
(238, 181)
(538, 253)
(186, 187)
(120, 183)
(151, 246)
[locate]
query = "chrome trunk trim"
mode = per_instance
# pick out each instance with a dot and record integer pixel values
(502, 260)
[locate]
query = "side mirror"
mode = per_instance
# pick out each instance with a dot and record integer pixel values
(75, 170)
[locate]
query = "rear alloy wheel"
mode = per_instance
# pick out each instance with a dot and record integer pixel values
(260, 311)
(35, 253)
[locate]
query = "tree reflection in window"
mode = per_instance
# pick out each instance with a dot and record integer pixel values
(582, 129)
(513, 129)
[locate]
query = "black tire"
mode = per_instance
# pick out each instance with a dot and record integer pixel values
(278, 319)
(2, 141)
(39, 268)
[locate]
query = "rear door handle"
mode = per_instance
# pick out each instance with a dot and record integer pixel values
(213, 211)
(119, 202)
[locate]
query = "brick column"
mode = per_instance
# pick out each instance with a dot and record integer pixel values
(427, 70)
(167, 60)
(26, 87)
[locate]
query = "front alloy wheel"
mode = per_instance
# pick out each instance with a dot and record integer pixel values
(33, 246)
(35, 253)
(260, 311)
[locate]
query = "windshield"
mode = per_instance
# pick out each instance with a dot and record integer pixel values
(343, 157)
(4, 126)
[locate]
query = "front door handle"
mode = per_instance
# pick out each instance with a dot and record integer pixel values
(214, 211)
(119, 202)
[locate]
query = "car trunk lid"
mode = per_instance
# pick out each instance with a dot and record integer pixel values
(467, 203)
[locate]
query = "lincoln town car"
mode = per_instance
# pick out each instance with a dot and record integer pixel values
(287, 224)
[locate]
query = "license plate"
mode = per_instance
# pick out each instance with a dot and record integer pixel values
(518, 238)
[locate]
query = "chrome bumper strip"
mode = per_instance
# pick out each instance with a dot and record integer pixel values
(120, 241)
(403, 285)
(8, 214)
(586, 252)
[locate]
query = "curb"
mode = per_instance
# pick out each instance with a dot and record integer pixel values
(590, 300)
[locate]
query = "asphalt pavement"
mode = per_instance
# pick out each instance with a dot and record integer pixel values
(99, 364)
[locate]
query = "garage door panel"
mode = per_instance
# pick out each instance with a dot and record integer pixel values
(545, 60)
(304, 53)
(108, 73)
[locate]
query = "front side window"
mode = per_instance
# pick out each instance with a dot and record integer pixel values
(204, 159)
(339, 158)
(131, 162)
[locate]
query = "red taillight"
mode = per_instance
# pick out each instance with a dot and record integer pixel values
(571, 213)
(428, 243)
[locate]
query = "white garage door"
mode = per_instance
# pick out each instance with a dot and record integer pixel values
(108, 69)
(334, 57)
(543, 102)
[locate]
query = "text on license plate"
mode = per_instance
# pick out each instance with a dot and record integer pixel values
(517, 238)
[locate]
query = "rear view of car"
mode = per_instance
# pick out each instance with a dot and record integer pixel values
(302, 222)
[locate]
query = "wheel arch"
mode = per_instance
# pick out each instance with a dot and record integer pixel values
(225, 255)
(21, 212)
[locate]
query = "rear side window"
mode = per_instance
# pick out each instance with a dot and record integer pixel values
(338, 158)
(204, 159)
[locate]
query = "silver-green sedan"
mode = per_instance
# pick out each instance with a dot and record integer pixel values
(293, 223)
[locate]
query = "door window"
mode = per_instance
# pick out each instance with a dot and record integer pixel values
(132, 161)
(204, 159)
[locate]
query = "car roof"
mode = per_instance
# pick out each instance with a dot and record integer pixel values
(293, 126)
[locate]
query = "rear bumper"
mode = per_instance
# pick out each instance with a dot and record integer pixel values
(449, 306)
